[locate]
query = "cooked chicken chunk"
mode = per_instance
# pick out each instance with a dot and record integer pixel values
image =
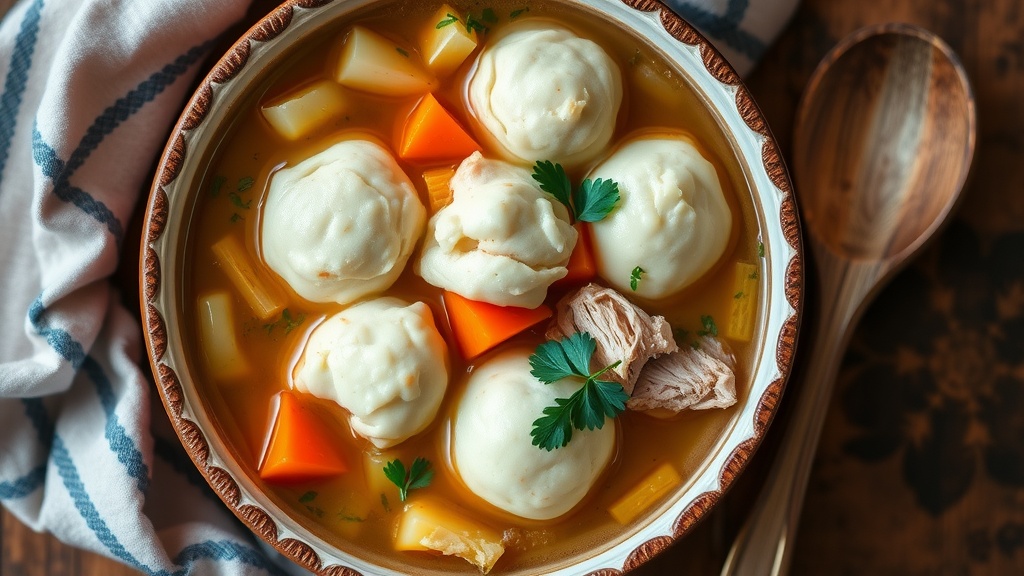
(622, 331)
(695, 378)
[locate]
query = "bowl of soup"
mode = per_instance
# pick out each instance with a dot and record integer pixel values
(462, 287)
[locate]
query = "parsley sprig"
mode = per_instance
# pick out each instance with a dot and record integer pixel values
(635, 276)
(589, 406)
(417, 476)
(590, 202)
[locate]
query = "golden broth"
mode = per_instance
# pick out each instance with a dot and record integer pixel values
(344, 512)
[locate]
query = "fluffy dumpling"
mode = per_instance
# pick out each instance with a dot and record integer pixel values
(382, 360)
(540, 92)
(341, 224)
(501, 240)
(672, 220)
(493, 450)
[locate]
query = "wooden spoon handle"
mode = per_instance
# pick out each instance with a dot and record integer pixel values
(764, 546)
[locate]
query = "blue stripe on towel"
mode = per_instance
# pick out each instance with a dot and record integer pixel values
(724, 28)
(221, 551)
(27, 484)
(120, 442)
(17, 79)
(60, 172)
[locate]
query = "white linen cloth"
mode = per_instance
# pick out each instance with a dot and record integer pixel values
(90, 90)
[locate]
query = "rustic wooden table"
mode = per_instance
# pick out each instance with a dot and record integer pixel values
(921, 467)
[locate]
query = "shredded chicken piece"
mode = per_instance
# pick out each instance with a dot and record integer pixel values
(694, 378)
(622, 331)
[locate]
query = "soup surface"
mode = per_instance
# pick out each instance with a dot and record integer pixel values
(357, 510)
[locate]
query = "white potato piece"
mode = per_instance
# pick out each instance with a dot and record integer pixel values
(501, 240)
(492, 447)
(444, 49)
(540, 92)
(672, 220)
(264, 299)
(372, 63)
(301, 111)
(433, 524)
(217, 337)
(341, 225)
(384, 362)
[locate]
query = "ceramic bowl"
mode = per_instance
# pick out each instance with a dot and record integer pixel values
(173, 198)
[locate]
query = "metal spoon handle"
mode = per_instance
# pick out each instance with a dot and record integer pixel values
(764, 546)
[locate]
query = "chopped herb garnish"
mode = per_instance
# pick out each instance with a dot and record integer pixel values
(738, 295)
(680, 334)
(245, 183)
(384, 502)
(238, 202)
(472, 23)
(760, 249)
(236, 217)
(419, 475)
(449, 19)
(216, 185)
(591, 202)
(589, 406)
(710, 328)
(753, 276)
(402, 51)
(517, 13)
(349, 517)
(634, 277)
(286, 320)
(489, 16)
(308, 497)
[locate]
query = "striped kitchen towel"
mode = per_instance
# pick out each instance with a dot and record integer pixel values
(90, 90)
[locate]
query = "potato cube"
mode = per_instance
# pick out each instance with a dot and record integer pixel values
(445, 42)
(372, 63)
(299, 112)
(217, 336)
(431, 524)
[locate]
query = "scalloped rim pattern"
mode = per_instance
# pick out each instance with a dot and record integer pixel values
(783, 246)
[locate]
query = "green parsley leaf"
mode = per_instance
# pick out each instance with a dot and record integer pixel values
(594, 199)
(245, 183)
(554, 181)
(760, 249)
(710, 328)
(634, 277)
(738, 295)
(517, 13)
(307, 497)
(585, 409)
(418, 476)
(217, 185)
(753, 276)
(238, 202)
(449, 19)
(236, 217)
(472, 23)
(384, 502)
(402, 51)
(290, 322)
(349, 517)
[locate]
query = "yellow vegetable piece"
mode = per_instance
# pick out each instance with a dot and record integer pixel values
(376, 481)
(439, 193)
(645, 494)
(446, 48)
(432, 524)
(354, 511)
(263, 299)
(372, 63)
(217, 336)
(743, 314)
(299, 112)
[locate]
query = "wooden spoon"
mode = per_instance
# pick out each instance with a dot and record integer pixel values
(884, 139)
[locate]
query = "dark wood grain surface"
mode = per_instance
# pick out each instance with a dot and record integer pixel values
(921, 466)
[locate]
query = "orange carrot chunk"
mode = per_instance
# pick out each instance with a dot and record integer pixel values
(301, 446)
(582, 266)
(431, 133)
(480, 326)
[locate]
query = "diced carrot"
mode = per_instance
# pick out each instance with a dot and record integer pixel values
(582, 266)
(439, 192)
(432, 133)
(301, 446)
(480, 326)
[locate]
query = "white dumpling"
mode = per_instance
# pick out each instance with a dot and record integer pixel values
(341, 224)
(540, 92)
(672, 220)
(492, 447)
(383, 361)
(501, 240)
